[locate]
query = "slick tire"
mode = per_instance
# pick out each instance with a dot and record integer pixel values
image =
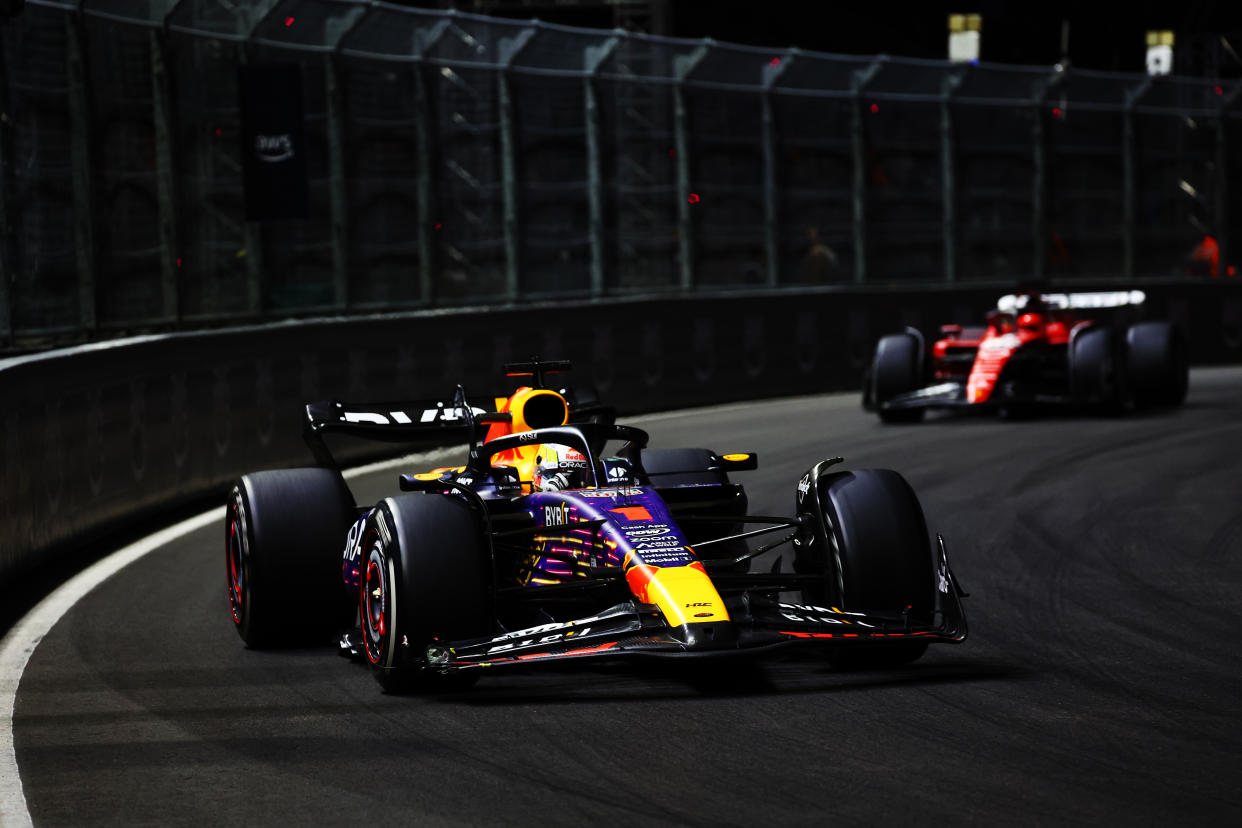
(284, 538)
(1158, 368)
(896, 369)
(425, 577)
(1097, 376)
(880, 536)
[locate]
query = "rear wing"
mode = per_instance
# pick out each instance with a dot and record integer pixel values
(1094, 300)
(417, 421)
(402, 422)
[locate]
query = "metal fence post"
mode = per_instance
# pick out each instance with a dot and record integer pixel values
(858, 143)
(337, 188)
(422, 150)
(1039, 178)
(508, 49)
(83, 172)
(948, 175)
(683, 65)
(165, 177)
(1221, 208)
(252, 233)
(1129, 171)
(1224, 237)
(771, 208)
(8, 253)
(592, 59)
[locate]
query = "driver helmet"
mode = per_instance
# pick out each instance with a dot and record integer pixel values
(558, 468)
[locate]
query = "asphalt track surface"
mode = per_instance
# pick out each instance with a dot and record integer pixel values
(1100, 683)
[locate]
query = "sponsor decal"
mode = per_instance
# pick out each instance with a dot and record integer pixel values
(810, 608)
(632, 513)
(699, 604)
(272, 149)
(818, 615)
(450, 414)
(528, 437)
(704, 614)
(658, 543)
(429, 415)
(804, 485)
(1095, 299)
(542, 634)
(810, 619)
(735, 458)
(557, 515)
(1005, 342)
(535, 642)
(610, 493)
(647, 531)
(353, 540)
(381, 523)
(666, 556)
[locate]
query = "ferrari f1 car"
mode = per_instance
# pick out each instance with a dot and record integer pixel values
(479, 567)
(1035, 350)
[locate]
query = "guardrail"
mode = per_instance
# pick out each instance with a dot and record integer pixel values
(95, 436)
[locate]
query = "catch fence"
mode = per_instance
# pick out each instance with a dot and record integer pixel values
(455, 160)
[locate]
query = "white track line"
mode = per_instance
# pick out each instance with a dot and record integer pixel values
(20, 642)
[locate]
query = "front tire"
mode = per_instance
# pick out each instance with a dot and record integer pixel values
(896, 369)
(284, 536)
(883, 559)
(1097, 376)
(425, 578)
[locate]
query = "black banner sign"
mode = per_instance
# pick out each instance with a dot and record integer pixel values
(273, 135)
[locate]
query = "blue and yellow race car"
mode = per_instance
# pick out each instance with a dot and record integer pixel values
(564, 536)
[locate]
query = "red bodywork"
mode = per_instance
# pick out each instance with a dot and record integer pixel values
(978, 355)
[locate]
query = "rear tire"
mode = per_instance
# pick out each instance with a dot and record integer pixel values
(425, 578)
(879, 535)
(284, 538)
(896, 369)
(1158, 368)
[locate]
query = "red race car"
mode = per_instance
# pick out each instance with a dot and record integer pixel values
(1035, 350)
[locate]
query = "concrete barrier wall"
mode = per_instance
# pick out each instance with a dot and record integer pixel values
(95, 436)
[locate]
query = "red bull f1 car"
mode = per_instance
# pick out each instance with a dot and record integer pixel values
(632, 551)
(1036, 350)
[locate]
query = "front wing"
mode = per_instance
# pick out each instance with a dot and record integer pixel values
(952, 394)
(757, 622)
